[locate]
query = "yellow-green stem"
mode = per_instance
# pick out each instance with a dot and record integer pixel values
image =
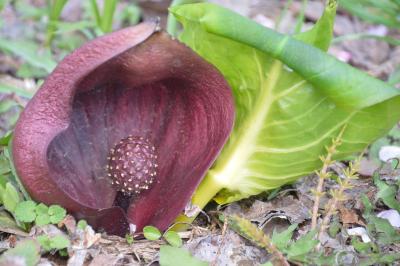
(206, 191)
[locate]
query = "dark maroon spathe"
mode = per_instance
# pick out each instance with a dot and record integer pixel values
(134, 82)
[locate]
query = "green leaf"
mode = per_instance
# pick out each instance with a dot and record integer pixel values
(302, 246)
(7, 223)
(172, 24)
(368, 207)
(173, 238)
(66, 27)
(322, 33)
(281, 240)
(334, 228)
(131, 14)
(129, 239)
(28, 10)
(82, 224)
(10, 198)
(25, 211)
(56, 8)
(3, 182)
(3, 4)
(56, 213)
(27, 71)
(53, 243)
(28, 50)
(361, 247)
(7, 105)
(386, 193)
(2, 192)
(44, 241)
(41, 209)
(59, 242)
(5, 139)
(291, 99)
(42, 219)
(8, 154)
(151, 233)
(379, 12)
(384, 231)
(63, 252)
(395, 76)
(386, 259)
(4, 165)
(4, 88)
(27, 251)
(173, 256)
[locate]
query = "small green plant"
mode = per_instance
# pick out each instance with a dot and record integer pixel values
(82, 224)
(29, 212)
(129, 239)
(387, 192)
(173, 238)
(104, 20)
(151, 233)
(381, 232)
(58, 242)
(16, 200)
(55, 9)
(170, 236)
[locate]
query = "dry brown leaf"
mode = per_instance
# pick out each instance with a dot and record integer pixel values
(350, 217)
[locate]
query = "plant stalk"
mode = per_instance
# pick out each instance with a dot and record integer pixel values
(206, 191)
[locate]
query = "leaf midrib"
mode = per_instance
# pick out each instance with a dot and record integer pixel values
(239, 151)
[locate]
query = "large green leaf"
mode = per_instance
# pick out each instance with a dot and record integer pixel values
(291, 99)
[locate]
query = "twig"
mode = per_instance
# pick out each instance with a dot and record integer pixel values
(323, 174)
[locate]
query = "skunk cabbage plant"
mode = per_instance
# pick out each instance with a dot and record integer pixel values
(123, 130)
(291, 99)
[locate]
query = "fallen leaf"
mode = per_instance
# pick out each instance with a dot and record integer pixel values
(69, 222)
(350, 217)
